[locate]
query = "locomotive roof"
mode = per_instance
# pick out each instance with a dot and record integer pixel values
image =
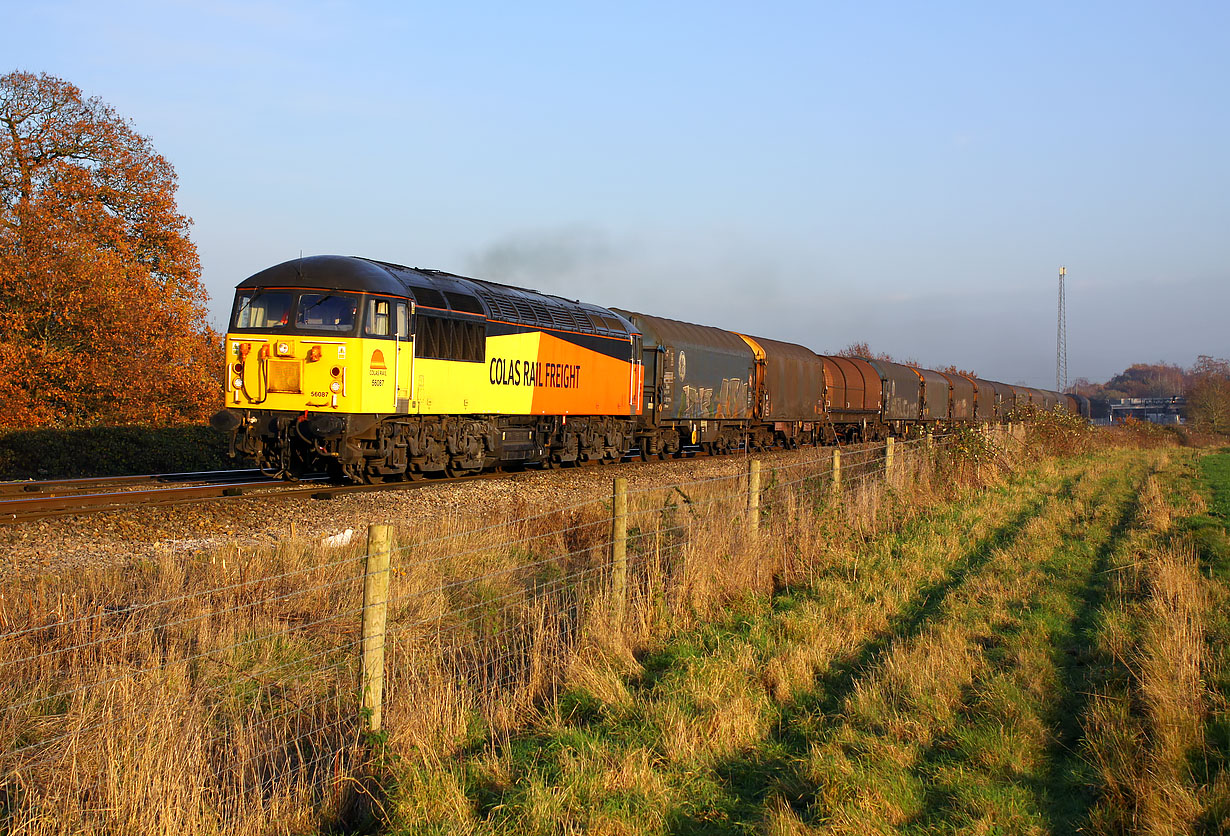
(443, 291)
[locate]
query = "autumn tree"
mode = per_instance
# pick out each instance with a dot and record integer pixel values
(862, 349)
(952, 369)
(1208, 398)
(102, 311)
(1147, 380)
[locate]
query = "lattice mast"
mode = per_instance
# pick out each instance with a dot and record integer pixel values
(1061, 339)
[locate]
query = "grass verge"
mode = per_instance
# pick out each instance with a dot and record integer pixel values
(907, 651)
(942, 676)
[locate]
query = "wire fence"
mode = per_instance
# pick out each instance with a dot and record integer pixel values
(253, 695)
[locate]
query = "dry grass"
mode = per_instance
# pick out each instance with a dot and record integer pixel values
(197, 698)
(1147, 722)
(219, 695)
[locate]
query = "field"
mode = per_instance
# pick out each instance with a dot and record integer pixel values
(998, 635)
(1046, 655)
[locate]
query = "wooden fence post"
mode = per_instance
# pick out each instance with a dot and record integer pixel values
(375, 617)
(753, 497)
(930, 442)
(836, 470)
(619, 550)
(888, 459)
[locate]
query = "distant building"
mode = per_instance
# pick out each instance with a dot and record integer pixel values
(1153, 410)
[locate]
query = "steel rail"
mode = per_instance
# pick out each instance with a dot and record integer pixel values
(63, 486)
(24, 508)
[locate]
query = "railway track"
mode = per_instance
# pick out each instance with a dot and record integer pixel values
(28, 501)
(34, 500)
(64, 487)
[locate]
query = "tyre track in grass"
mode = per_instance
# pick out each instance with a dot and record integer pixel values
(572, 773)
(756, 779)
(933, 738)
(1067, 789)
(1013, 760)
(775, 768)
(842, 771)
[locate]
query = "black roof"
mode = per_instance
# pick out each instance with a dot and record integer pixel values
(442, 291)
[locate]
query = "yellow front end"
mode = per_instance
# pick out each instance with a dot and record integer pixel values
(318, 374)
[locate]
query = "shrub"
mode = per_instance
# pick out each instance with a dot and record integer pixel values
(110, 451)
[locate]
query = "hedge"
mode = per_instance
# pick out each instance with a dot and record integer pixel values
(111, 451)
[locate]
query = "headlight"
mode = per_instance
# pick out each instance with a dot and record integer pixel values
(238, 382)
(335, 387)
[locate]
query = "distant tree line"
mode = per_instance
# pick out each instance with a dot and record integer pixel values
(1206, 385)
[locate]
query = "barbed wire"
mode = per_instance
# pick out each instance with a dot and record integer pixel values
(486, 601)
(136, 609)
(851, 469)
(210, 614)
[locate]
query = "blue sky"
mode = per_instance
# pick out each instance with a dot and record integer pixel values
(909, 175)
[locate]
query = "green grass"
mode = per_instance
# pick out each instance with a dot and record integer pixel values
(937, 685)
(1210, 532)
(1215, 472)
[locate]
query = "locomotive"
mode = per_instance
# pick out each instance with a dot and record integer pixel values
(375, 372)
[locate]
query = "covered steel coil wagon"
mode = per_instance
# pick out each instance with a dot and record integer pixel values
(699, 380)
(962, 404)
(902, 394)
(852, 396)
(790, 383)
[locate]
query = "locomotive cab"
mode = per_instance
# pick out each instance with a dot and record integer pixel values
(308, 360)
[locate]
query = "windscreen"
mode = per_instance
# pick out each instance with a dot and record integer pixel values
(290, 312)
(262, 309)
(326, 312)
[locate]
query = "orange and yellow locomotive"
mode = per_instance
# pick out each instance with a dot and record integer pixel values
(376, 372)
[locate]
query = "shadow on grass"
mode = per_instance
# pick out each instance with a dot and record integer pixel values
(773, 768)
(1063, 790)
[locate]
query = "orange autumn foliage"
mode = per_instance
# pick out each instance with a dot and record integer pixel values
(102, 310)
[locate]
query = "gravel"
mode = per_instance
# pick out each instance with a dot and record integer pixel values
(62, 544)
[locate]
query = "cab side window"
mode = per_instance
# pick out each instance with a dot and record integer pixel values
(378, 317)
